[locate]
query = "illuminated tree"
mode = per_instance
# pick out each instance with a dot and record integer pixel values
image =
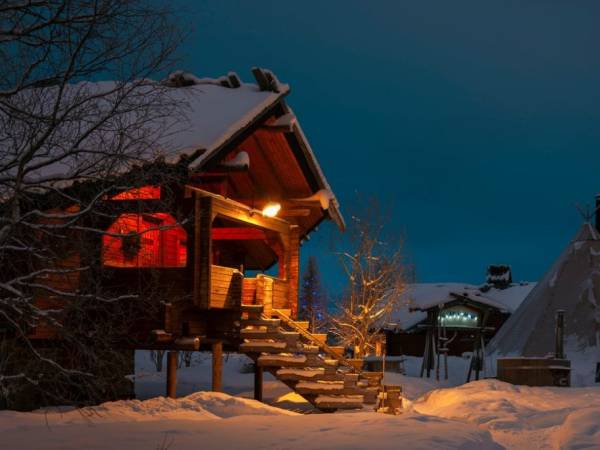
(375, 280)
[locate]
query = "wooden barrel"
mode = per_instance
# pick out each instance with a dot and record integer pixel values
(535, 371)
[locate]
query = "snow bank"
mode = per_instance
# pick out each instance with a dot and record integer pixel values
(118, 429)
(553, 417)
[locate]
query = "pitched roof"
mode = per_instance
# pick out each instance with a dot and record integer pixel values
(422, 296)
(571, 284)
(213, 114)
(208, 114)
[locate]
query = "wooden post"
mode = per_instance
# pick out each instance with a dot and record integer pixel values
(172, 374)
(293, 269)
(217, 366)
(258, 382)
(202, 251)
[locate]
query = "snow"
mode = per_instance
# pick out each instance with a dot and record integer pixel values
(520, 416)
(420, 296)
(486, 414)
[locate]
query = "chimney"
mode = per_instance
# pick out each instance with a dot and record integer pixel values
(598, 212)
(559, 335)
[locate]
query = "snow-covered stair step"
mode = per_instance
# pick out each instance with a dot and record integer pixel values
(370, 395)
(253, 311)
(320, 387)
(350, 379)
(309, 349)
(282, 360)
(300, 374)
(264, 346)
(338, 401)
(287, 336)
(269, 323)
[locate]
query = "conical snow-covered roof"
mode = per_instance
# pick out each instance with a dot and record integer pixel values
(572, 284)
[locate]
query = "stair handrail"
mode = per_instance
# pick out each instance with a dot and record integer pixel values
(308, 335)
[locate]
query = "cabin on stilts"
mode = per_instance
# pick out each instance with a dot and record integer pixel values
(204, 239)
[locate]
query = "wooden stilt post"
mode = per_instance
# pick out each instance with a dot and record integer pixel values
(172, 374)
(217, 366)
(258, 382)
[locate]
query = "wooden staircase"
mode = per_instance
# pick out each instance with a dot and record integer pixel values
(303, 360)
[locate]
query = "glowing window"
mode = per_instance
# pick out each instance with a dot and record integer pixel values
(141, 193)
(145, 240)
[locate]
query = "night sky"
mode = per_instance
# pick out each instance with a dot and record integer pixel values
(478, 123)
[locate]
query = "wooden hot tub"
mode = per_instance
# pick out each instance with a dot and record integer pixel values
(535, 371)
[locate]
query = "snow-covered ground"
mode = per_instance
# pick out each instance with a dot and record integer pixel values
(485, 414)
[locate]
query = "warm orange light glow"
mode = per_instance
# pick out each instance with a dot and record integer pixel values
(145, 240)
(271, 209)
(141, 193)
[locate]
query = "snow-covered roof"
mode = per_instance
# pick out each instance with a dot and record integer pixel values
(421, 296)
(213, 115)
(192, 120)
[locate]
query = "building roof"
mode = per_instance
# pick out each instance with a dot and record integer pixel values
(572, 284)
(203, 116)
(422, 296)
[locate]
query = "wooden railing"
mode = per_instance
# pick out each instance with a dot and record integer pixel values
(268, 291)
(322, 345)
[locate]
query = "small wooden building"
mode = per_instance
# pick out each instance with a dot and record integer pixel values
(461, 309)
(214, 222)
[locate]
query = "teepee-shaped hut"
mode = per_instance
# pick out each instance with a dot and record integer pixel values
(573, 285)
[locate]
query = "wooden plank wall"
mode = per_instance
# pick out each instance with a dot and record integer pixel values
(264, 293)
(280, 294)
(226, 287)
(249, 291)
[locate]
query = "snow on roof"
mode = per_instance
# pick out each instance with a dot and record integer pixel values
(200, 116)
(214, 114)
(187, 116)
(421, 296)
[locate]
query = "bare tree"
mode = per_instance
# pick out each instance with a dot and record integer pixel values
(375, 270)
(63, 141)
(157, 357)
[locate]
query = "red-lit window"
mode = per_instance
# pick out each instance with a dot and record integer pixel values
(141, 193)
(145, 240)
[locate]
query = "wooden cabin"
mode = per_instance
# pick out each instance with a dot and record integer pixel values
(216, 221)
(431, 306)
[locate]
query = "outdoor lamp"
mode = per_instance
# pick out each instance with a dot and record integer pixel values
(271, 209)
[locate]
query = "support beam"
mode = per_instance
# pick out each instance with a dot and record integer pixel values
(217, 366)
(258, 382)
(202, 251)
(238, 234)
(172, 374)
(293, 269)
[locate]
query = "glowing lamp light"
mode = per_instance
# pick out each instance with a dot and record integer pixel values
(271, 209)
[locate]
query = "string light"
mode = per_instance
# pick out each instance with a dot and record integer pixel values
(457, 318)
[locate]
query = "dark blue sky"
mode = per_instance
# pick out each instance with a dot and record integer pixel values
(478, 122)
